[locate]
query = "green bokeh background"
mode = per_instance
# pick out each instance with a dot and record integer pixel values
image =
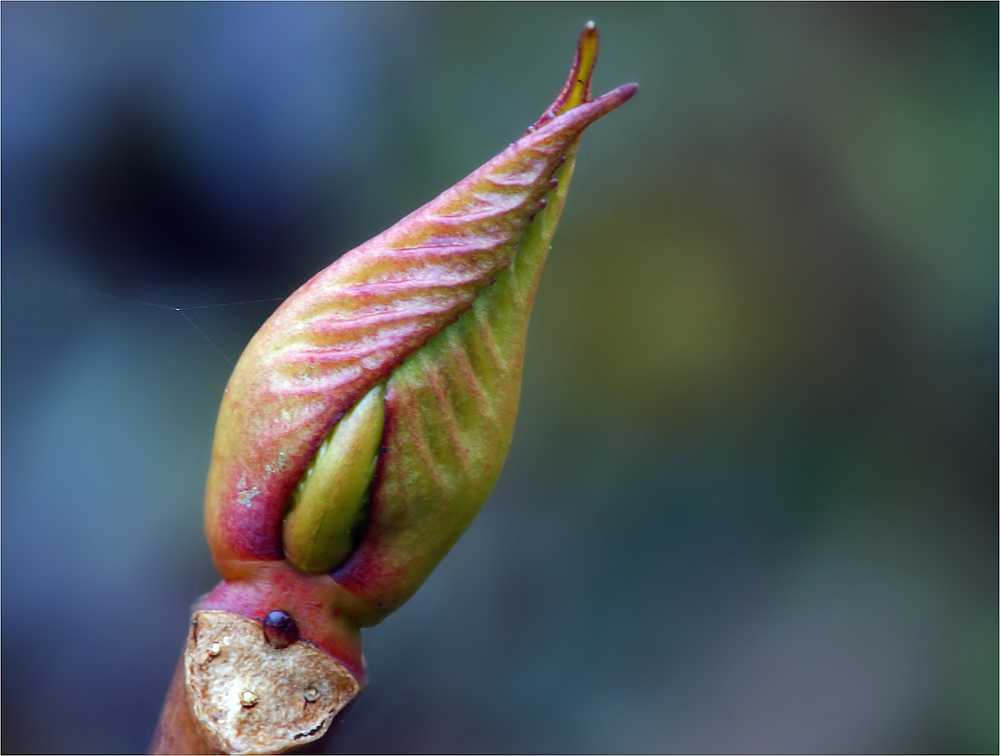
(751, 504)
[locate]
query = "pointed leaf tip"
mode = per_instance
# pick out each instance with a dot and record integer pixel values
(582, 73)
(577, 89)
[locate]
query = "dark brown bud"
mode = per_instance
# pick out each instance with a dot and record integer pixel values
(280, 630)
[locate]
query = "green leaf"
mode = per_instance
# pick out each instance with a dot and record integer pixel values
(435, 309)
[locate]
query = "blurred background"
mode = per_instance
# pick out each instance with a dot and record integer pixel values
(751, 504)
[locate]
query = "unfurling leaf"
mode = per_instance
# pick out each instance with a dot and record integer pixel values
(367, 421)
(328, 504)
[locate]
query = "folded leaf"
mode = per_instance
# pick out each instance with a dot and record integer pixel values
(435, 308)
(328, 505)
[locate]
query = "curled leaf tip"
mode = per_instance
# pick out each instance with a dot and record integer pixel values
(586, 59)
(578, 87)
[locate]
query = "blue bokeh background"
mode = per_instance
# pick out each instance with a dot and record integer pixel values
(751, 504)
